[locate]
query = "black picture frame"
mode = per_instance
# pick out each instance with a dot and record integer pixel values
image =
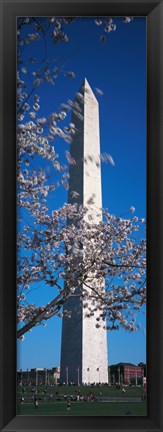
(153, 10)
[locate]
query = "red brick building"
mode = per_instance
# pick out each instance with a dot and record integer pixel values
(126, 373)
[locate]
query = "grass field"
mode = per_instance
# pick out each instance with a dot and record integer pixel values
(109, 402)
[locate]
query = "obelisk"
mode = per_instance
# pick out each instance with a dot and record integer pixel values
(84, 356)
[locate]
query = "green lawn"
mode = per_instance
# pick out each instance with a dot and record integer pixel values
(115, 405)
(84, 409)
(105, 390)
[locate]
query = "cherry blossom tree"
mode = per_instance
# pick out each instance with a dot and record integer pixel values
(72, 258)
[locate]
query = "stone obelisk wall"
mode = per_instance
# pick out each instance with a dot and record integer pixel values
(84, 347)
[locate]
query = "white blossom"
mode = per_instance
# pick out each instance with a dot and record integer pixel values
(99, 91)
(103, 263)
(36, 106)
(132, 209)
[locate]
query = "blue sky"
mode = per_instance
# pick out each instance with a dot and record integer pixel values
(118, 68)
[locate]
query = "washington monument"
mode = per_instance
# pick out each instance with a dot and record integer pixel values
(84, 347)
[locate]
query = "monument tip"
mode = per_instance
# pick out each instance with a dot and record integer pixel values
(86, 86)
(85, 82)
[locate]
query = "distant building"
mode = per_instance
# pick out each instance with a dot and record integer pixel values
(126, 373)
(38, 376)
(144, 367)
